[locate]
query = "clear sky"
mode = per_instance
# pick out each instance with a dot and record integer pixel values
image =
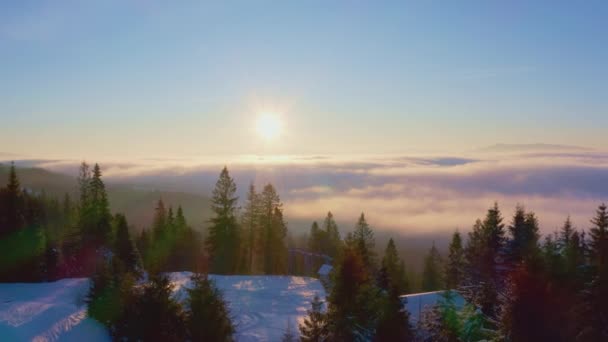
(177, 78)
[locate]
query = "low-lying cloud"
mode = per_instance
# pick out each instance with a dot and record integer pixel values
(409, 194)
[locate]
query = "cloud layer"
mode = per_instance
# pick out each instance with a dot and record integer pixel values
(409, 194)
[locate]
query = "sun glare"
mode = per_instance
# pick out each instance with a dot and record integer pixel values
(269, 126)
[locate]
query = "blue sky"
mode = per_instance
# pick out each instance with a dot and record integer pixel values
(152, 78)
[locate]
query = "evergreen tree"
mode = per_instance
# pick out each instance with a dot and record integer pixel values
(273, 231)
(222, 240)
(333, 242)
(12, 215)
(484, 253)
(208, 318)
(314, 327)
(315, 238)
(160, 219)
(154, 315)
(599, 242)
(363, 240)
(431, 275)
(394, 323)
(393, 270)
(124, 249)
(354, 301)
(250, 232)
(454, 267)
(597, 294)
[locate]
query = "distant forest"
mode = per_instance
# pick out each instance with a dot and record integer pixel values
(518, 286)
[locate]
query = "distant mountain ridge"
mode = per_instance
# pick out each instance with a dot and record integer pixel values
(135, 202)
(538, 147)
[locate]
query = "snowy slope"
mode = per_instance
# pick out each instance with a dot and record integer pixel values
(261, 306)
(47, 312)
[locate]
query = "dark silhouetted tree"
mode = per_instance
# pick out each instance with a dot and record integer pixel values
(207, 318)
(223, 236)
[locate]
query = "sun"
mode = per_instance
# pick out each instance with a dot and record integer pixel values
(269, 126)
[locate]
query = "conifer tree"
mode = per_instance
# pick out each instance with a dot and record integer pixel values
(222, 240)
(362, 239)
(250, 232)
(454, 267)
(13, 204)
(160, 219)
(124, 248)
(394, 323)
(332, 236)
(315, 238)
(314, 326)
(597, 295)
(155, 315)
(431, 275)
(273, 231)
(393, 270)
(483, 254)
(208, 318)
(354, 301)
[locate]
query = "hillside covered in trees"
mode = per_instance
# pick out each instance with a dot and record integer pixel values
(519, 285)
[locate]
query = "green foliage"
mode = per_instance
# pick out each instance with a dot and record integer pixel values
(223, 235)
(454, 266)
(392, 272)
(354, 301)
(314, 327)
(207, 318)
(432, 273)
(362, 239)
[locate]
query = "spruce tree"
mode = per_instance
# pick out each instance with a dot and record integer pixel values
(222, 240)
(13, 203)
(362, 239)
(454, 268)
(431, 275)
(315, 238)
(314, 326)
(597, 294)
(393, 270)
(332, 236)
(124, 248)
(208, 318)
(394, 324)
(273, 231)
(354, 301)
(250, 232)
(484, 253)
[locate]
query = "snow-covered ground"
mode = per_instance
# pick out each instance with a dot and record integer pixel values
(418, 302)
(47, 312)
(261, 307)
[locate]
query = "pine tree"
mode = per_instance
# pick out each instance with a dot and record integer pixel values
(431, 275)
(154, 315)
(454, 267)
(124, 249)
(393, 270)
(394, 323)
(160, 220)
(250, 232)
(599, 241)
(314, 326)
(273, 231)
(597, 294)
(222, 241)
(484, 252)
(332, 236)
(363, 240)
(208, 318)
(315, 238)
(354, 301)
(13, 204)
